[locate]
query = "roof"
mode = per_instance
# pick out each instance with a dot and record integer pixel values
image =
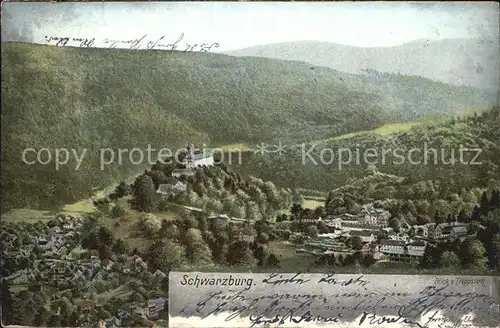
(171, 181)
(390, 242)
(362, 233)
(417, 243)
(203, 155)
(455, 229)
(183, 171)
(160, 300)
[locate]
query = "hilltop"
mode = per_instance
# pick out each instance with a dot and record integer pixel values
(98, 98)
(472, 62)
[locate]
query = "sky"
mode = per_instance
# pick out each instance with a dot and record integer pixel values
(238, 25)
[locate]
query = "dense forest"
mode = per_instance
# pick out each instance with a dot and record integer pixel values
(99, 98)
(431, 180)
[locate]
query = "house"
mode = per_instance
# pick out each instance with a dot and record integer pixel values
(42, 241)
(221, 217)
(435, 230)
(374, 217)
(365, 235)
(78, 274)
(335, 223)
(171, 186)
(107, 264)
(155, 306)
(416, 249)
(447, 230)
(197, 157)
(86, 305)
(69, 226)
(139, 263)
(422, 230)
(177, 173)
(454, 232)
(392, 248)
(112, 322)
(123, 313)
(140, 311)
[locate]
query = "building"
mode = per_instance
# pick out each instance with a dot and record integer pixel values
(171, 187)
(156, 306)
(365, 235)
(395, 250)
(399, 251)
(177, 173)
(335, 223)
(197, 157)
(416, 249)
(447, 230)
(454, 232)
(375, 217)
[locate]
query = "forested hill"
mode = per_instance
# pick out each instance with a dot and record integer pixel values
(472, 62)
(252, 98)
(434, 168)
(97, 98)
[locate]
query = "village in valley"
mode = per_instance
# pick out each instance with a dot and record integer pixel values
(142, 142)
(89, 275)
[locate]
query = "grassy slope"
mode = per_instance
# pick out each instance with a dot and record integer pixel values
(98, 98)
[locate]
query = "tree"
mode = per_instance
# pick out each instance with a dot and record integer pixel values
(484, 204)
(273, 261)
(437, 217)
(117, 211)
(105, 236)
(41, 317)
(495, 199)
(263, 238)
(214, 206)
(239, 253)
(449, 260)
(462, 216)
(54, 321)
(494, 253)
(145, 197)
(7, 303)
(322, 227)
(121, 190)
(237, 211)
(197, 250)
(296, 210)
(259, 255)
(356, 242)
(120, 247)
(472, 253)
(157, 177)
(312, 231)
(394, 224)
(73, 319)
(368, 260)
(253, 211)
(164, 255)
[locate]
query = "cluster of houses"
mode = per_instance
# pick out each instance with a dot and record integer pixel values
(54, 259)
(371, 227)
(149, 310)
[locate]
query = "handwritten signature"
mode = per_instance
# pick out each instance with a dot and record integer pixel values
(134, 44)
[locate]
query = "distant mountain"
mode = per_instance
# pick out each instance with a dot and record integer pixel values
(471, 62)
(63, 97)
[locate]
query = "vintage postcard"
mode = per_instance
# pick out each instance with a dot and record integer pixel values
(250, 164)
